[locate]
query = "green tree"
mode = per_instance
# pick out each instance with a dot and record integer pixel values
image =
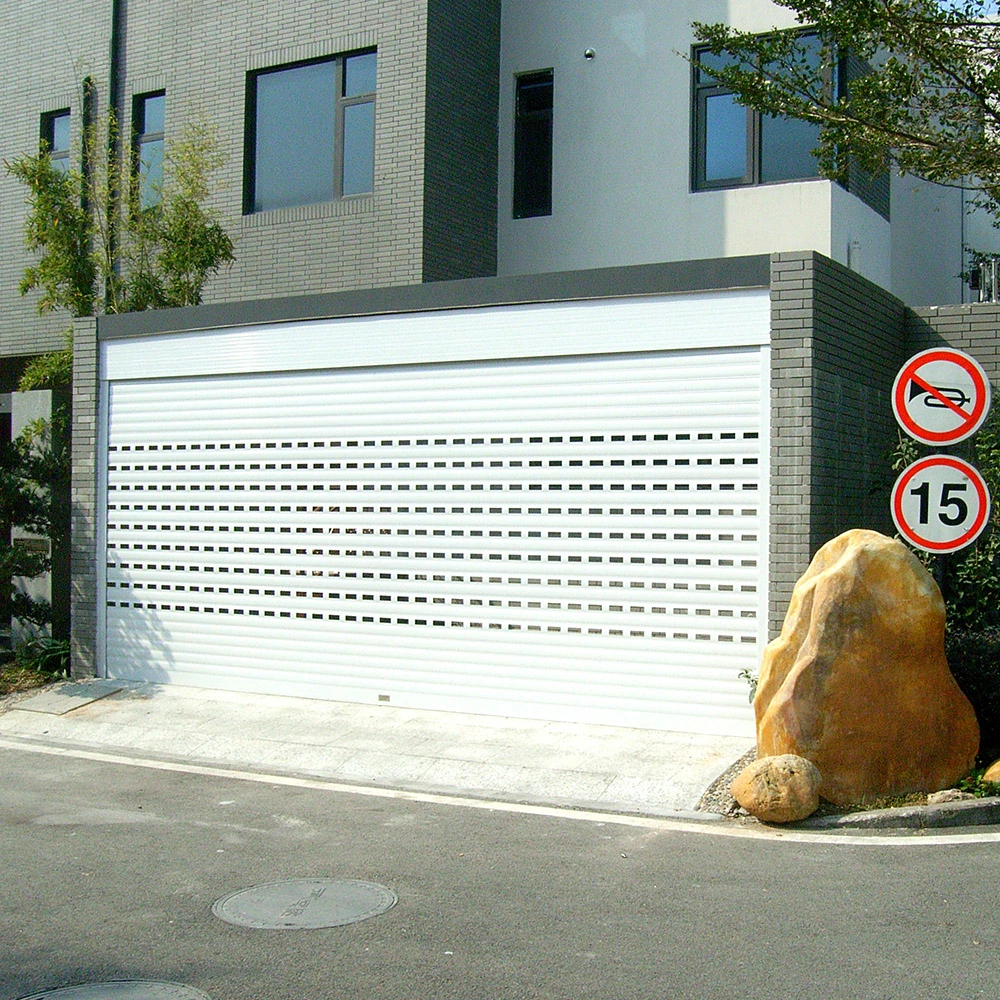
(34, 497)
(97, 249)
(928, 101)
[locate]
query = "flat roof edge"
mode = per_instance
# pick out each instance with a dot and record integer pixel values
(672, 277)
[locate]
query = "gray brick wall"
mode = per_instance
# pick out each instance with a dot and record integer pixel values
(837, 343)
(83, 562)
(460, 181)
(974, 329)
(200, 55)
(48, 50)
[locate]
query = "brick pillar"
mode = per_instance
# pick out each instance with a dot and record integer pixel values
(83, 555)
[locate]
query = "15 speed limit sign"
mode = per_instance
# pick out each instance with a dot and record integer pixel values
(940, 504)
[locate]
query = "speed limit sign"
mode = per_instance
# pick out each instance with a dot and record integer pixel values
(940, 504)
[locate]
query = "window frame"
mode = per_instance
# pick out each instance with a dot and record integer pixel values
(141, 137)
(46, 134)
(342, 101)
(701, 91)
(525, 203)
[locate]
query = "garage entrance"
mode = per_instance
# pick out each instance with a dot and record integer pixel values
(579, 537)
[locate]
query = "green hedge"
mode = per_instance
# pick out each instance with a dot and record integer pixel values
(974, 658)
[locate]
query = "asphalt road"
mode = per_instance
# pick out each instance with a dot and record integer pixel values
(110, 872)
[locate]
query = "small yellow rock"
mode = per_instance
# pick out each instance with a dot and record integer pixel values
(780, 789)
(992, 773)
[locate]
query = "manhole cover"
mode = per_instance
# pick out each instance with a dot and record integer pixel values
(122, 990)
(304, 904)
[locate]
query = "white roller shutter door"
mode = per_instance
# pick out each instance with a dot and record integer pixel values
(575, 538)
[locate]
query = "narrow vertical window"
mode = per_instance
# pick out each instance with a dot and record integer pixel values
(54, 134)
(533, 144)
(358, 103)
(147, 147)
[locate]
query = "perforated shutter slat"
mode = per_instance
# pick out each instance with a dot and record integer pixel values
(567, 539)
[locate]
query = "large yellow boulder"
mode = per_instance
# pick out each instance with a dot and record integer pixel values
(858, 683)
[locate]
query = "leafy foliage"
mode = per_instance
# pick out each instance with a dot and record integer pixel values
(969, 579)
(973, 782)
(49, 371)
(974, 660)
(59, 229)
(99, 250)
(970, 585)
(931, 101)
(34, 497)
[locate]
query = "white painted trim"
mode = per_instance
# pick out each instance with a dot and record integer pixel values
(101, 531)
(599, 326)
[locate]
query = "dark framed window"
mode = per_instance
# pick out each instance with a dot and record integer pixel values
(310, 132)
(54, 135)
(148, 147)
(734, 145)
(533, 144)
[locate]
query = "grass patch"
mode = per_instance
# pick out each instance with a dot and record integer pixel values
(15, 678)
(34, 664)
(867, 805)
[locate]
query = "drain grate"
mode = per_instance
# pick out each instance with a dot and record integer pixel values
(304, 904)
(122, 990)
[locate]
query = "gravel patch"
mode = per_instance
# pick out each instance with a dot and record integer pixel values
(718, 798)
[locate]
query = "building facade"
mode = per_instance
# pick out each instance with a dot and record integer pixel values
(522, 260)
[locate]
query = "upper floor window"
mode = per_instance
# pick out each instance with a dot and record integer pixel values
(533, 144)
(147, 146)
(54, 134)
(735, 145)
(310, 132)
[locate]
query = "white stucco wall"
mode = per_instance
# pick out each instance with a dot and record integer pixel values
(621, 160)
(927, 224)
(621, 174)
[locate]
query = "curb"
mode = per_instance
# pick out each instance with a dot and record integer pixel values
(970, 812)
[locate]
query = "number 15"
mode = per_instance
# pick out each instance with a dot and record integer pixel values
(961, 508)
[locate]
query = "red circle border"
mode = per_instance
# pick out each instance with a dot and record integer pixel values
(964, 361)
(981, 489)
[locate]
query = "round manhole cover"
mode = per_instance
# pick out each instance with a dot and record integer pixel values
(122, 990)
(304, 904)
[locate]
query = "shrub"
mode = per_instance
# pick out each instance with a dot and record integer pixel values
(974, 659)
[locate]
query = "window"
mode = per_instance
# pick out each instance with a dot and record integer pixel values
(533, 144)
(54, 136)
(147, 147)
(310, 132)
(734, 145)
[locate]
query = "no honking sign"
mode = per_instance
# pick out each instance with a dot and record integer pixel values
(941, 396)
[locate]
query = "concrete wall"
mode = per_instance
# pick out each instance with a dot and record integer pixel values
(621, 143)
(622, 150)
(622, 153)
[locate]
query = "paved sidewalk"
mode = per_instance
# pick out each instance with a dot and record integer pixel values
(512, 760)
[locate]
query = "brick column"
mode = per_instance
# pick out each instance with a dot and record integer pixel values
(836, 345)
(83, 556)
